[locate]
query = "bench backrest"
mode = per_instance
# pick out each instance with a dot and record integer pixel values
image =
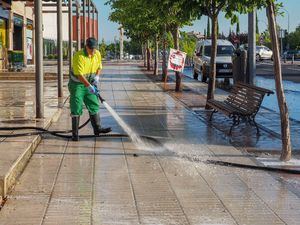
(247, 98)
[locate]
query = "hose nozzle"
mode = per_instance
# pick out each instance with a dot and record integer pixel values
(100, 98)
(98, 94)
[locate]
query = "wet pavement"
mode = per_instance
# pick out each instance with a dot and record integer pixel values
(17, 109)
(268, 117)
(112, 181)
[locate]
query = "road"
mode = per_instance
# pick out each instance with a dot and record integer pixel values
(290, 71)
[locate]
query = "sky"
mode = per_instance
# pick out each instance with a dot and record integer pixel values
(109, 30)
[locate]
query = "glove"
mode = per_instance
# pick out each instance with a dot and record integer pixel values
(92, 89)
(96, 80)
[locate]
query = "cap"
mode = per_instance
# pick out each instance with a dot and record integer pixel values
(91, 43)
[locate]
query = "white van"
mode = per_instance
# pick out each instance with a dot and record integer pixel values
(225, 50)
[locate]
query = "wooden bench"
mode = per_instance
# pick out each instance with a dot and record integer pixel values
(243, 104)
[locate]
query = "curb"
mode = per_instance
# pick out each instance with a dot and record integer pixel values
(9, 179)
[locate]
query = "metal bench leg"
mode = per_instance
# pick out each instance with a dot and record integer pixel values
(257, 128)
(236, 121)
(212, 113)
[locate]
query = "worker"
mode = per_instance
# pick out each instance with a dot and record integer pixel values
(84, 78)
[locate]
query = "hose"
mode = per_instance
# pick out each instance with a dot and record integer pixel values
(246, 166)
(62, 134)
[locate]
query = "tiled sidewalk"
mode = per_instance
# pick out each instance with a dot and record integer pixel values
(17, 109)
(269, 121)
(112, 181)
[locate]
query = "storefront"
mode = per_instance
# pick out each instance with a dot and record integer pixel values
(4, 15)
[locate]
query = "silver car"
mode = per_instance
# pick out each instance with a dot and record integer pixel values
(263, 52)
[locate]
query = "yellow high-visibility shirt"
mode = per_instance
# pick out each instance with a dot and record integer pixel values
(85, 65)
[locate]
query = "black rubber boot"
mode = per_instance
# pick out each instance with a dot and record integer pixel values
(75, 125)
(95, 120)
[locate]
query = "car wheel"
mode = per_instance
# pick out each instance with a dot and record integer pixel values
(196, 75)
(258, 58)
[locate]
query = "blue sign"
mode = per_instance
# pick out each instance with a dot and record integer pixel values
(18, 20)
(4, 13)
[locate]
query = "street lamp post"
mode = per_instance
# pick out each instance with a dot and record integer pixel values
(288, 18)
(251, 47)
(115, 39)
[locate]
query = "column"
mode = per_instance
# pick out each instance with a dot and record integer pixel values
(78, 26)
(121, 43)
(59, 49)
(93, 29)
(39, 73)
(89, 19)
(84, 22)
(70, 34)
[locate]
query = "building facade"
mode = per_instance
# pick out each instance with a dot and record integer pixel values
(16, 31)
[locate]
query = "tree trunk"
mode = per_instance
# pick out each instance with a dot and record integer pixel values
(148, 56)
(164, 56)
(284, 114)
(144, 54)
(156, 56)
(176, 46)
(212, 72)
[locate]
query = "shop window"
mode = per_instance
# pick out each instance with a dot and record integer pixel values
(18, 33)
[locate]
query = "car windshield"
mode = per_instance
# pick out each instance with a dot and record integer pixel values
(221, 50)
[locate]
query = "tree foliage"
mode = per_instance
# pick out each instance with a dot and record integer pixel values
(187, 44)
(294, 39)
(102, 48)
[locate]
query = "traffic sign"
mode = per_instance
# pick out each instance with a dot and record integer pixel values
(176, 60)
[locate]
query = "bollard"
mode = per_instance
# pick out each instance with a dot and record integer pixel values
(284, 59)
(239, 66)
(293, 59)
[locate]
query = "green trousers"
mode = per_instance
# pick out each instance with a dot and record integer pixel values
(79, 94)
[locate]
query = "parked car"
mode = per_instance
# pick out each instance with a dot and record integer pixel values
(289, 54)
(243, 47)
(225, 51)
(263, 52)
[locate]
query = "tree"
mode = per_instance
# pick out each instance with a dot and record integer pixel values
(208, 28)
(188, 45)
(174, 14)
(212, 9)
(257, 27)
(102, 48)
(284, 114)
(133, 47)
(139, 22)
(238, 28)
(294, 39)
